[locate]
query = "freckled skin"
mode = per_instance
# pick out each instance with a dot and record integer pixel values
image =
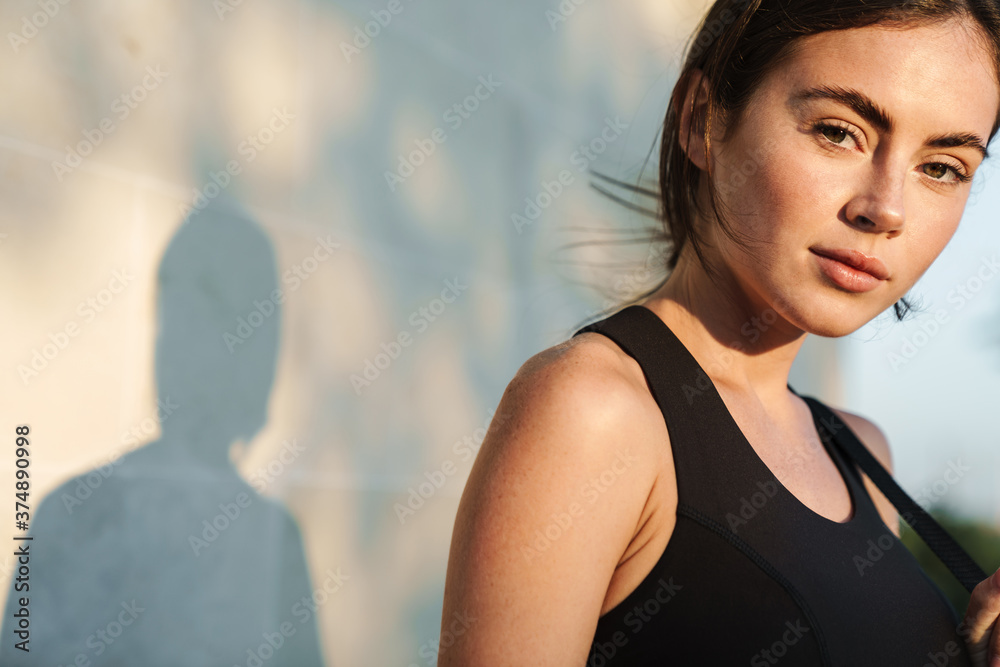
(807, 189)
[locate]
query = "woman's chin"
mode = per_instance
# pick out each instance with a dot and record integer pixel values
(834, 323)
(832, 329)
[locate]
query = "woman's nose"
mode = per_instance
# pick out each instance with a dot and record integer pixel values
(878, 203)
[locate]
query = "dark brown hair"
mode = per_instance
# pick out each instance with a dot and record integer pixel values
(737, 44)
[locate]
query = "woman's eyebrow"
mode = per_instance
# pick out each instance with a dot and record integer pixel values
(959, 140)
(880, 119)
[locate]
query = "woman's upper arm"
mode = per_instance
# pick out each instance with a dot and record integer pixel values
(552, 501)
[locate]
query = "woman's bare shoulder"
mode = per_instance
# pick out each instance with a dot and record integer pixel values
(537, 540)
(590, 381)
(588, 359)
(584, 397)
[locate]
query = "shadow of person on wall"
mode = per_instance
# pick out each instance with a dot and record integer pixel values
(166, 557)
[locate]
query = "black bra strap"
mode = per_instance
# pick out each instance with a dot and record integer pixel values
(644, 336)
(966, 570)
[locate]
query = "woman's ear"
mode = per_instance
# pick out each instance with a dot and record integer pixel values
(694, 107)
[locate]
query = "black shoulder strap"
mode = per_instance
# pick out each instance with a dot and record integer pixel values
(966, 570)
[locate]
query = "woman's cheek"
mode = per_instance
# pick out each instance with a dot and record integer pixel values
(928, 230)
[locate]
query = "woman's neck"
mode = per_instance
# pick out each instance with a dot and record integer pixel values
(741, 342)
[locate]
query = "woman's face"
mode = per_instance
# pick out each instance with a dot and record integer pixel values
(863, 140)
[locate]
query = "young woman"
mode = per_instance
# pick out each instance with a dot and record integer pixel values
(651, 491)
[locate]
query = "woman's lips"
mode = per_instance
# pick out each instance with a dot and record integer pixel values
(850, 269)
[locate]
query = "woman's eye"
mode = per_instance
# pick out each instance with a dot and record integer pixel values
(939, 170)
(936, 170)
(836, 135)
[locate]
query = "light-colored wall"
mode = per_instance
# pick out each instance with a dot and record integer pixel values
(358, 261)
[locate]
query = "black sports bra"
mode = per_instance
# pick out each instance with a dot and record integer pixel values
(750, 574)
